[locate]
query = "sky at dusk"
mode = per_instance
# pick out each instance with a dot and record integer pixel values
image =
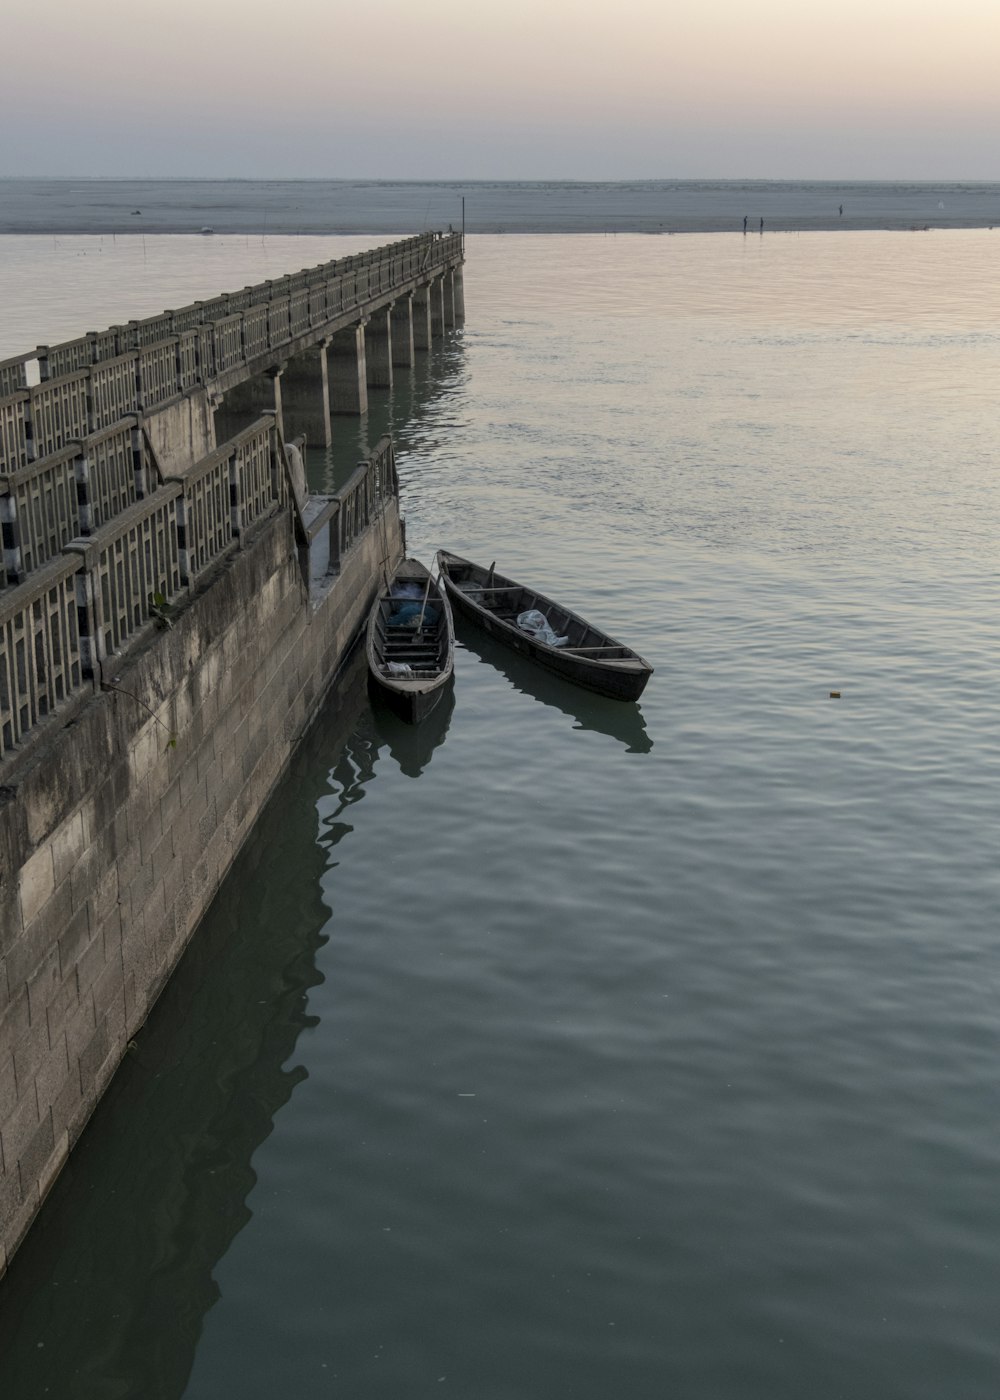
(437, 89)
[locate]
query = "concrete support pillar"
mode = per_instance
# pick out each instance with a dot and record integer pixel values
(458, 295)
(378, 349)
(437, 308)
(244, 404)
(454, 298)
(305, 396)
(348, 375)
(422, 318)
(402, 332)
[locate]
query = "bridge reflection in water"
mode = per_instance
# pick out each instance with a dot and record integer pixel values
(409, 410)
(108, 1294)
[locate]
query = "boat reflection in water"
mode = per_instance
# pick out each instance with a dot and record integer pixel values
(412, 745)
(620, 720)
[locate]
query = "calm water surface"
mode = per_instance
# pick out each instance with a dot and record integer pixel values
(582, 1050)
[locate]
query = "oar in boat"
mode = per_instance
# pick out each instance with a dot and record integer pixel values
(423, 608)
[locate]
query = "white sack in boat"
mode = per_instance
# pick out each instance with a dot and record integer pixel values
(534, 623)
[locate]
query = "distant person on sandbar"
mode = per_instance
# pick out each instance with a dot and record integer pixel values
(762, 225)
(841, 211)
(744, 223)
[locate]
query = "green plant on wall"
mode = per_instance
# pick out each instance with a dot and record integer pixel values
(161, 610)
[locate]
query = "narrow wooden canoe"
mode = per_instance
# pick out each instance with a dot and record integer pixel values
(410, 643)
(589, 657)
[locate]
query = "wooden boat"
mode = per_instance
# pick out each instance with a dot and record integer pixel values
(589, 657)
(410, 643)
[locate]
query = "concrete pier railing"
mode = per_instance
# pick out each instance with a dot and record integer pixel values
(87, 600)
(72, 491)
(91, 597)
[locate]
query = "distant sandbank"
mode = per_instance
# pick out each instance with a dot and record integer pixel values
(68, 206)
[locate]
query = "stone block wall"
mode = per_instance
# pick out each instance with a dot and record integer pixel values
(118, 827)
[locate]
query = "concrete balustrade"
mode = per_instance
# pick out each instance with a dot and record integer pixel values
(333, 525)
(111, 392)
(40, 511)
(40, 656)
(13, 376)
(15, 433)
(126, 565)
(71, 492)
(88, 503)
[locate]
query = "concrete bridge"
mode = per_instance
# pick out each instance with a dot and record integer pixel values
(306, 347)
(173, 609)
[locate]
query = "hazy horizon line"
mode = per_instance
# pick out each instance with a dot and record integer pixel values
(513, 179)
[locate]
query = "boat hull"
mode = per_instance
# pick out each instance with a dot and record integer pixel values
(414, 705)
(623, 676)
(427, 650)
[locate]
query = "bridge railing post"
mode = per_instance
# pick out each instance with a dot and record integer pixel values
(89, 609)
(235, 499)
(40, 662)
(333, 567)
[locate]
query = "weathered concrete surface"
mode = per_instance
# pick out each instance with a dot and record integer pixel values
(118, 827)
(402, 331)
(347, 365)
(421, 304)
(305, 397)
(378, 349)
(182, 432)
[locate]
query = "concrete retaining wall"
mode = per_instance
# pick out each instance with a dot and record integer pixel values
(116, 832)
